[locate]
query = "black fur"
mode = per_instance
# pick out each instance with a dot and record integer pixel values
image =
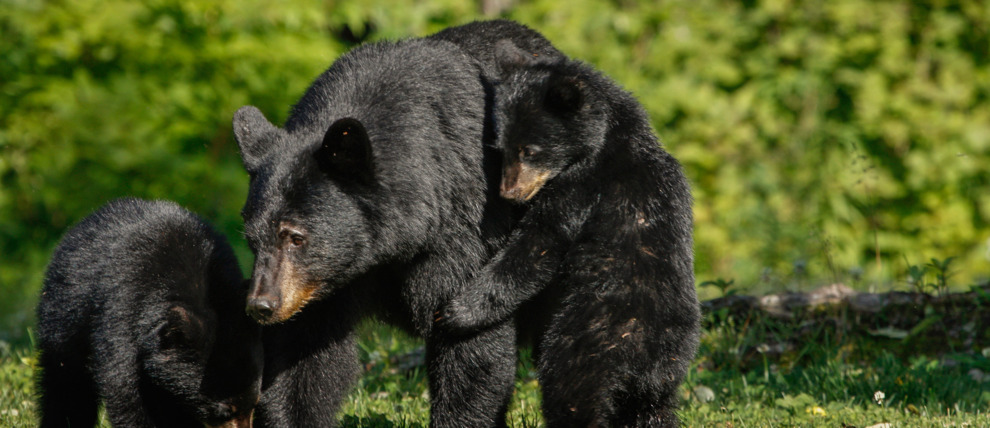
(378, 199)
(142, 307)
(478, 39)
(607, 242)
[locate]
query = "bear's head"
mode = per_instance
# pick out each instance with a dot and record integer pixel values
(305, 216)
(376, 162)
(210, 361)
(548, 117)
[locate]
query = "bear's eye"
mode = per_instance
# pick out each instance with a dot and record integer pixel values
(295, 238)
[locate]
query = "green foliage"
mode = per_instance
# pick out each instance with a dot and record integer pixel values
(942, 274)
(104, 99)
(724, 287)
(918, 276)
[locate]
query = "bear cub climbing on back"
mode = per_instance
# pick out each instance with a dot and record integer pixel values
(607, 239)
(143, 308)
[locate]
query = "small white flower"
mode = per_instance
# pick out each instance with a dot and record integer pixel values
(704, 394)
(878, 397)
(977, 375)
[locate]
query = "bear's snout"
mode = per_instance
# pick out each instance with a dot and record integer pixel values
(279, 289)
(264, 298)
(261, 308)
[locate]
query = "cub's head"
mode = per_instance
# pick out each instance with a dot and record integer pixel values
(548, 117)
(308, 212)
(210, 361)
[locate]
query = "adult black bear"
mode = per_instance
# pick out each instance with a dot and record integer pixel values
(607, 235)
(143, 307)
(378, 199)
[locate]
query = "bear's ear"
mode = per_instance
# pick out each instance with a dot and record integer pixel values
(345, 153)
(509, 57)
(254, 135)
(565, 94)
(183, 329)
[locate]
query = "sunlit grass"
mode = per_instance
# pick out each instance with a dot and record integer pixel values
(827, 382)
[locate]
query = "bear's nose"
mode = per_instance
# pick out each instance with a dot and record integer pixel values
(261, 308)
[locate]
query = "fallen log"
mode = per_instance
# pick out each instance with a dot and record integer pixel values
(934, 324)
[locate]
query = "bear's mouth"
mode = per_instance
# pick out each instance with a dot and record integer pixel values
(277, 297)
(299, 295)
(520, 182)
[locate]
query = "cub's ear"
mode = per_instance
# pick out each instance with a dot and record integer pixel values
(183, 329)
(565, 94)
(345, 153)
(509, 57)
(254, 135)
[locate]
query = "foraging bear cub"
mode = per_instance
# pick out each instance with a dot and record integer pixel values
(143, 307)
(607, 236)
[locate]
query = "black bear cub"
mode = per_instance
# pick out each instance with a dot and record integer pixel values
(143, 308)
(607, 237)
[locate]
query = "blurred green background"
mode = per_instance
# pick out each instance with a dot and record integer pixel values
(840, 141)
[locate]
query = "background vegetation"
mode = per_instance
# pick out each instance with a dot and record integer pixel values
(827, 141)
(845, 140)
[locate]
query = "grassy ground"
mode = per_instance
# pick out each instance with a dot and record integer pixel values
(736, 381)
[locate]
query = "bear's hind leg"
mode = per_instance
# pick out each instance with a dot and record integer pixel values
(602, 364)
(575, 393)
(578, 374)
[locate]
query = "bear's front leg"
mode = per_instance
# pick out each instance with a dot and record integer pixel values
(311, 363)
(471, 377)
(479, 305)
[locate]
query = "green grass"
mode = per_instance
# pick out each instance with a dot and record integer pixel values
(736, 381)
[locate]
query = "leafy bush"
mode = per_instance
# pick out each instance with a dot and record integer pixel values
(104, 99)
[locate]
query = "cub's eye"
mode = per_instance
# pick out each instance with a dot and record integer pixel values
(297, 239)
(527, 151)
(220, 413)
